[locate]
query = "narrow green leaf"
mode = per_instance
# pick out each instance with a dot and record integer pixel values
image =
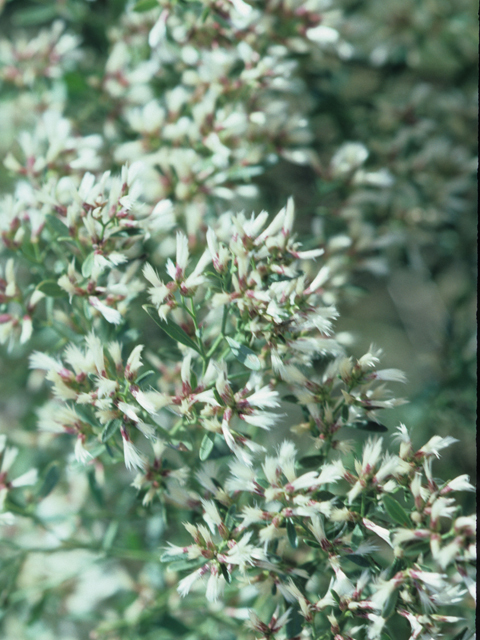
(292, 534)
(390, 604)
(206, 447)
(87, 265)
(171, 328)
(225, 574)
(230, 517)
(396, 511)
(244, 355)
(55, 224)
(51, 289)
(144, 376)
(415, 548)
(94, 488)
(312, 543)
(369, 425)
(169, 557)
(312, 461)
(34, 16)
(361, 561)
(110, 428)
(51, 478)
(183, 565)
(295, 622)
(145, 5)
(110, 534)
(84, 414)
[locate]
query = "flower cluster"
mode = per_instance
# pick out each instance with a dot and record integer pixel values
(173, 365)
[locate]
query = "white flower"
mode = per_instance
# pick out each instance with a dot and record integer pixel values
(186, 583)
(380, 531)
(215, 585)
(111, 315)
(436, 444)
(133, 458)
(81, 454)
(348, 157)
(460, 483)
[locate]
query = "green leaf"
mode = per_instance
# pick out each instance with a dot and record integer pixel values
(230, 517)
(312, 461)
(292, 534)
(84, 414)
(396, 511)
(463, 635)
(361, 561)
(312, 543)
(144, 376)
(183, 565)
(290, 398)
(145, 5)
(225, 574)
(110, 534)
(415, 548)
(171, 328)
(51, 478)
(169, 557)
(390, 604)
(110, 428)
(206, 447)
(244, 355)
(94, 488)
(51, 289)
(55, 224)
(295, 623)
(88, 265)
(174, 625)
(33, 16)
(369, 425)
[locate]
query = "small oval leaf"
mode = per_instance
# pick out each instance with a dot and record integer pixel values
(145, 5)
(87, 265)
(292, 534)
(52, 476)
(51, 289)
(396, 512)
(110, 428)
(55, 224)
(205, 447)
(171, 328)
(244, 355)
(369, 425)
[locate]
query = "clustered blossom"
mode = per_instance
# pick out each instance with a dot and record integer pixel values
(191, 351)
(225, 393)
(268, 510)
(224, 110)
(103, 223)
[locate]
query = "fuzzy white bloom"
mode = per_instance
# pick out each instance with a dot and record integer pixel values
(111, 315)
(133, 458)
(381, 532)
(460, 483)
(436, 444)
(81, 454)
(186, 583)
